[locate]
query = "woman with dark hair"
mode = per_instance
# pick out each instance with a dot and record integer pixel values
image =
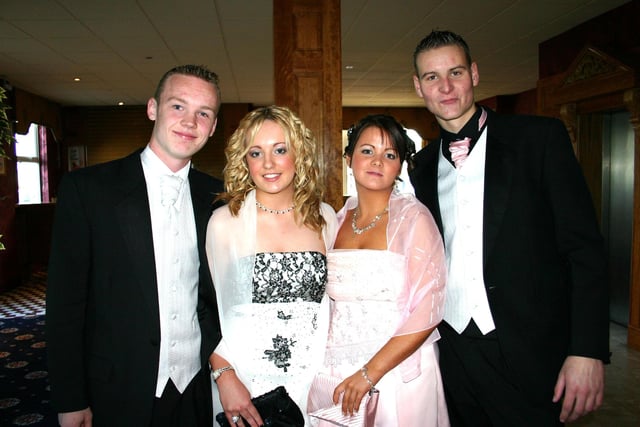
(386, 286)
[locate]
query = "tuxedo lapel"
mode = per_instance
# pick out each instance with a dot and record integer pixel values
(499, 162)
(134, 220)
(202, 205)
(425, 175)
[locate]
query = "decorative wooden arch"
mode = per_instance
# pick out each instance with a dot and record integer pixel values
(597, 82)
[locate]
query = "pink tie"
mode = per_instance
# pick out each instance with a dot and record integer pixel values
(459, 151)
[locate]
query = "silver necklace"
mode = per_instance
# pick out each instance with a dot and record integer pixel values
(372, 224)
(274, 211)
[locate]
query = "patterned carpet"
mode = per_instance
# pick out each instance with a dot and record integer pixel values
(25, 300)
(24, 383)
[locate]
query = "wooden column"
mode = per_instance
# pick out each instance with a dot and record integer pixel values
(632, 102)
(308, 77)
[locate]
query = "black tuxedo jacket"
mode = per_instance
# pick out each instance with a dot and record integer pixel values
(102, 317)
(543, 257)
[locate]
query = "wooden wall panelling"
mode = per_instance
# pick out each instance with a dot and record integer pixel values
(32, 108)
(632, 102)
(416, 118)
(615, 32)
(108, 133)
(113, 132)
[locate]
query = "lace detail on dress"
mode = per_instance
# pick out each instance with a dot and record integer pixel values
(289, 277)
(364, 286)
(293, 283)
(281, 353)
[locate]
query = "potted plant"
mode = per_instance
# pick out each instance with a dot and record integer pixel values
(6, 133)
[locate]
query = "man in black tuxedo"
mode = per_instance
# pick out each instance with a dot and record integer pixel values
(131, 315)
(525, 331)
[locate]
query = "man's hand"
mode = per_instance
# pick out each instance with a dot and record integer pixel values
(76, 419)
(581, 381)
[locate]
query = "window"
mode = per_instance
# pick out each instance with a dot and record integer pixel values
(28, 155)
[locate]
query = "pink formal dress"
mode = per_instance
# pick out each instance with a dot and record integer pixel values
(365, 287)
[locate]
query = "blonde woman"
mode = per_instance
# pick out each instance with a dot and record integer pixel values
(267, 253)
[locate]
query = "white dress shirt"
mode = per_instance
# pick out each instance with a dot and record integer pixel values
(177, 263)
(461, 196)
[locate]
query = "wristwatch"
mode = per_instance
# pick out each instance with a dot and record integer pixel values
(216, 374)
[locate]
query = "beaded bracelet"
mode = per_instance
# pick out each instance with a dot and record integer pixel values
(365, 375)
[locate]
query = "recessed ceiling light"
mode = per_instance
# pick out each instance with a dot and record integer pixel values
(348, 67)
(121, 103)
(76, 79)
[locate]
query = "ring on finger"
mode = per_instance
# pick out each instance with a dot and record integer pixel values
(235, 419)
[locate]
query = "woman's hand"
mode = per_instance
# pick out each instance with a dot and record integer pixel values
(236, 401)
(396, 350)
(353, 390)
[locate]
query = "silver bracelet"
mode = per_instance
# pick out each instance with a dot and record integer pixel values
(216, 373)
(365, 375)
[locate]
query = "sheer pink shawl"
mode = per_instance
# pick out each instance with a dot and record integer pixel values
(412, 232)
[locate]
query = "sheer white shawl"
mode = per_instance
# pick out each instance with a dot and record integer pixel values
(231, 250)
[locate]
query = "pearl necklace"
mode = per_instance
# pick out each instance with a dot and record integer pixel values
(274, 211)
(372, 224)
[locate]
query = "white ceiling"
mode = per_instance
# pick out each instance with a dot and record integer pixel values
(120, 48)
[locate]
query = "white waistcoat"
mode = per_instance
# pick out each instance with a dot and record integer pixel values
(461, 195)
(175, 247)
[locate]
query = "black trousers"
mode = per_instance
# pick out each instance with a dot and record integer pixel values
(192, 408)
(480, 389)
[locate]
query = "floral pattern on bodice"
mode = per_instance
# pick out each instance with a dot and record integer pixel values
(289, 277)
(295, 283)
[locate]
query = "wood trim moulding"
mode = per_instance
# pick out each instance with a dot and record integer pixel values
(570, 119)
(592, 74)
(632, 102)
(633, 337)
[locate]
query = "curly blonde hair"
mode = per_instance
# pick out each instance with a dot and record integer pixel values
(307, 182)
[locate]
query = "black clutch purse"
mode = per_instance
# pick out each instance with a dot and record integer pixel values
(276, 408)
